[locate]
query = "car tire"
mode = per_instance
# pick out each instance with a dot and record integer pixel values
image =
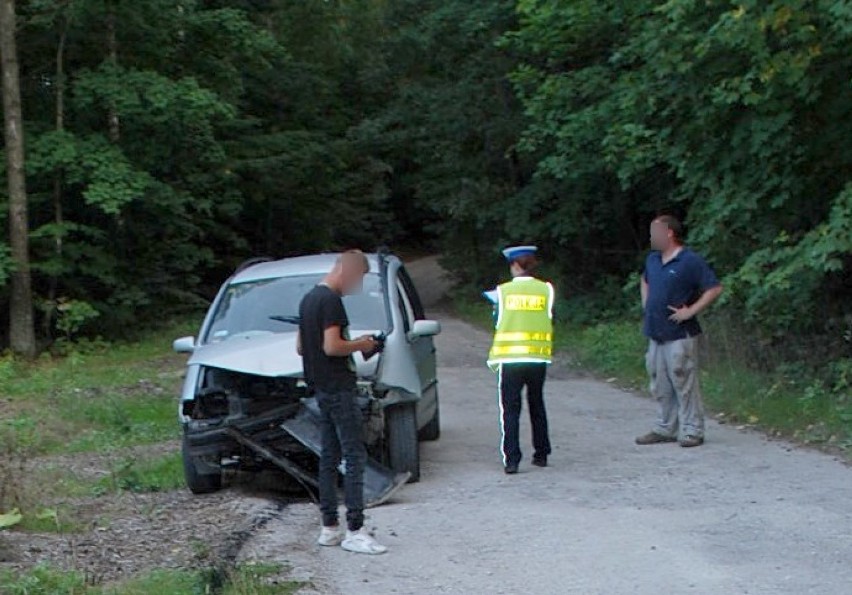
(198, 483)
(432, 430)
(402, 444)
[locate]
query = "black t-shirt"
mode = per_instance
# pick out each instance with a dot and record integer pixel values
(321, 308)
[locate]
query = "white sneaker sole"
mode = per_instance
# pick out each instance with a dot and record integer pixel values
(329, 542)
(358, 549)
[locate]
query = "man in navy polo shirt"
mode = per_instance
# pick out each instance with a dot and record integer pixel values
(676, 286)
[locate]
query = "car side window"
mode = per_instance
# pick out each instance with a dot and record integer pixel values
(411, 295)
(405, 307)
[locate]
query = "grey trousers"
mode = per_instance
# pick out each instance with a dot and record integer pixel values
(673, 369)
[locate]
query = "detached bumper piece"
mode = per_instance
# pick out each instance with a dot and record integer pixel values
(380, 483)
(261, 433)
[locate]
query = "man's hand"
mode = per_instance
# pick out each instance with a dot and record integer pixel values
(367, 345)
(686, 312)
(336, 346)
(681, 314)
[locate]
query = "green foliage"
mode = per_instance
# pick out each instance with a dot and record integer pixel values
(62, 519)
(97, 397)
(8, 367)
(735, 111)
(248, 579)
(154, 475)
(448, 128)
(219, 131)
(613, 349)
(212, 133)
(6, 264)
(72, 315)
(178, 582)
(116, 420)
(794, 269)
(10, 519)
(253, 579)
(43, 580)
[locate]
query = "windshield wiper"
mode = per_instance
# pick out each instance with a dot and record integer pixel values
(288, 319)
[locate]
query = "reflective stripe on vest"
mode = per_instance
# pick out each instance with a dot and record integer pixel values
(521, 336)
(524, 330)
(522, 350)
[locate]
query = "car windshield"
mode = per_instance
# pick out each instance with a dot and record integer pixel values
(272, 306)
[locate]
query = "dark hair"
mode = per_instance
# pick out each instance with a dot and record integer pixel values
(528, 262)
(674, 224)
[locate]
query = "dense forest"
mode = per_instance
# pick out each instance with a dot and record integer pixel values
(167, 141)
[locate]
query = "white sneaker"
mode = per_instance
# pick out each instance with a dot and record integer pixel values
(362, 542)
(331, 536)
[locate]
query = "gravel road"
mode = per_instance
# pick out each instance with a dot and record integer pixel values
(741, 514)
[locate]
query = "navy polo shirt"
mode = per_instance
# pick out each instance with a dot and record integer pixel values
(679, 282)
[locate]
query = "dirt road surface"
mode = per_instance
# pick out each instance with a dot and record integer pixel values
(739, 515)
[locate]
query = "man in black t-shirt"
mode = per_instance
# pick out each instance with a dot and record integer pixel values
(329, 369)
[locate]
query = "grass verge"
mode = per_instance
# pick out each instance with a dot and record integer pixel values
(158, 474)
(248, 579)
(99, 399)
(95, 398)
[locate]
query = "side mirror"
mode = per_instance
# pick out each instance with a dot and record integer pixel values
(184, 345)
(425, 328)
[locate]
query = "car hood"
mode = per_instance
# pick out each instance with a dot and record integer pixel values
(272, 354)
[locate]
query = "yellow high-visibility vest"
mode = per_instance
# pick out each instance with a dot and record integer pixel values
(524, 329)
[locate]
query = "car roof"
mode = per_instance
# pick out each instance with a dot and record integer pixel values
(315, 264)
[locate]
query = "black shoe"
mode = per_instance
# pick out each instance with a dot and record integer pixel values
(539, 461)
(654, 438)
(510, 469)
(691, 441)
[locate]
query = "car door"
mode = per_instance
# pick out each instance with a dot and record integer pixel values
(422, 347)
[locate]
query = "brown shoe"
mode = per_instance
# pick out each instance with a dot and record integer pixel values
(690, 441)
(654, 438)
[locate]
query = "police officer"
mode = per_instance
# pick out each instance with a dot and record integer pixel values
(522, 349)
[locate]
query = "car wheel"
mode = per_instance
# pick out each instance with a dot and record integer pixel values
(402, 444)
(432, 430)
(198, 483)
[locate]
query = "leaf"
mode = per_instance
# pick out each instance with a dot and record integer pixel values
(48, 514)
(10, 518)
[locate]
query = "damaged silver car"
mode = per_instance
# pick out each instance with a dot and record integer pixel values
(245, 405)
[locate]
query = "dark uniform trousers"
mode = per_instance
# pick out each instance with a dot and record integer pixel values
(513, 377)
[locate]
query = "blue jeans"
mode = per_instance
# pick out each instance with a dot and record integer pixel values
(341, 424)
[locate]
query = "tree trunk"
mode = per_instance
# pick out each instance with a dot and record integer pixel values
(113, 119)
(21, 325)
(112, 49)
(58, 216)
